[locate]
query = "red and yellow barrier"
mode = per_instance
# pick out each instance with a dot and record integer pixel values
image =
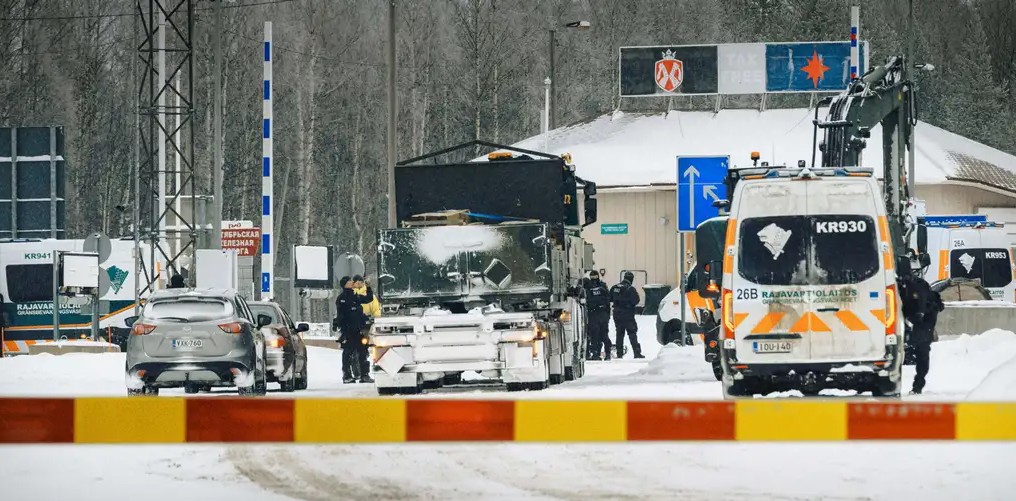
(217, 420)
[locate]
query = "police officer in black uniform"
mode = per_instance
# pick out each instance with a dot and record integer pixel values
(625, 298)
(921, 306)
(598, 305)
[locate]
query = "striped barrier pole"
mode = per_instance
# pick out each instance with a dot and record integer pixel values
(241, 420)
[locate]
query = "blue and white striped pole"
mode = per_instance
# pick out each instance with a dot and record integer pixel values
(267, 223)
(855, 35)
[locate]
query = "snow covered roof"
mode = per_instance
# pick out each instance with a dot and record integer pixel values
(639, 149)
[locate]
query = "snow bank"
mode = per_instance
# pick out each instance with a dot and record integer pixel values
(960, 365)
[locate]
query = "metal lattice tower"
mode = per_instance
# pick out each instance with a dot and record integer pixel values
(166, 209)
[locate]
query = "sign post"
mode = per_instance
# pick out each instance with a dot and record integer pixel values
(700, 183)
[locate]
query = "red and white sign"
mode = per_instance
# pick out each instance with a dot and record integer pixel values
(669, 72)
(245, 240)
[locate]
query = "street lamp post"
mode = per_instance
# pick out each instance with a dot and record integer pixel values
(553, 78)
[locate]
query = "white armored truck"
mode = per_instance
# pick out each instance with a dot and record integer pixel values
(483, 277)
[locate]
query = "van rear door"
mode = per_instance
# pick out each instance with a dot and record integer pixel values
(849, 262)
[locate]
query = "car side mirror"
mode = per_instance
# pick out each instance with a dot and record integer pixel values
(302, 327)
(264, 320)
(710, 288)
(129, 321)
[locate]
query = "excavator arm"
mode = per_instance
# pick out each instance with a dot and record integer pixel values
(882, 96)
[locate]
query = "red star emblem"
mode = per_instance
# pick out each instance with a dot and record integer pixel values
(815, 69)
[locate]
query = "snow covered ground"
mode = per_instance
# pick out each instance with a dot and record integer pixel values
(979, 367)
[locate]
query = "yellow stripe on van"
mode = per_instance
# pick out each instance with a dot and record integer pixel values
(851, 321)
(943, 264)
(766, 325)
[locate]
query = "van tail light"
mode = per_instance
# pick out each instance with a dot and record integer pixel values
(231, 328)
(728, 313)
(142, 329)
(890, 310)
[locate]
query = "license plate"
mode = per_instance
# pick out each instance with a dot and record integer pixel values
(772, 346)
(187, 344)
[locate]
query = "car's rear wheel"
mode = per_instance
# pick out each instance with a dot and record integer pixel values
(301, 381)
(288, 386)
(191, 389)
(260, 379)
(131, 392)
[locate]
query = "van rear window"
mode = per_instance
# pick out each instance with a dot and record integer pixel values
(29, 282)
(990, 266)
(808, 250)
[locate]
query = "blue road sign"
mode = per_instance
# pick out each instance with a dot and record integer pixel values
(699, 184)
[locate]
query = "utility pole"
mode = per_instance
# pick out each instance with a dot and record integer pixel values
(908, 62)
(553, 80)
(216, 236)
(393, 111)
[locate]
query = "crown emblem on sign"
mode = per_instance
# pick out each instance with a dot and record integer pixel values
(669, 54)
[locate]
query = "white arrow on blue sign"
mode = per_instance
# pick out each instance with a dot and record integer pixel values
(699, 184)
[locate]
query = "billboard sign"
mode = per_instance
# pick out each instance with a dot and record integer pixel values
(743, 68)
(244, 240)
(31, 182)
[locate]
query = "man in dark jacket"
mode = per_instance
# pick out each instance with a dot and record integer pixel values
(921, 306)
(598, 306)
(351, 319)
(625, 298)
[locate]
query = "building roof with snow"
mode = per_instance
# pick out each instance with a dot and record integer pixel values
(640, 149)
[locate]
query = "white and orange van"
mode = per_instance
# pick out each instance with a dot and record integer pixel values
(969, 246)
(809, 297)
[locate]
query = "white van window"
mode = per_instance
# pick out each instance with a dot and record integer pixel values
(808, 250)
(990, 266)
(188, 310)
(29, 282)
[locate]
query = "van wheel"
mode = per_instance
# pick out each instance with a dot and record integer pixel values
(191, 389)
(886, 390)
(288, 386)
(737, 389)
(301, 382)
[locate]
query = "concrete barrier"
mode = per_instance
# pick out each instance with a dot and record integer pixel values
(60, 348)
(975, 317)
(322, 342)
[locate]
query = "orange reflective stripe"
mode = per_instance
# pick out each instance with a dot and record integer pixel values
(943, 263)
(883, 226)
(850, 320)
(738, 318)
(728, 258)
(879, 314)
(768, 322)
(695, 300)
(809, 322)
(11, 346)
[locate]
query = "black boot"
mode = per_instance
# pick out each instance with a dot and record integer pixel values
(637, 348)
(347, 379)
(620, 352)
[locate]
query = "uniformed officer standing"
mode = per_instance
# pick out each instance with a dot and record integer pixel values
(921, 306)
(625, 298)
(598, 305)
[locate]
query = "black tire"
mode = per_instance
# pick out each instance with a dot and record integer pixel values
(452, 379)
(408, 390)
(889, 390)
(515, 386)
(261, 384)
(131, 392)
(569, 373)
(151, 391)
(431, 385)
(288, 386)
(301, 382)
(191, 389)
(245, 392)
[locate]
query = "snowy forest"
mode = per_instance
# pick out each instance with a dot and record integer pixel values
(467, 69)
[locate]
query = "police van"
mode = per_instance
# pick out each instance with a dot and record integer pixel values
(26, 281)
(809, 297)
(969, 246)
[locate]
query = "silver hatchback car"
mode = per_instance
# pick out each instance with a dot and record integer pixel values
(196, 339)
